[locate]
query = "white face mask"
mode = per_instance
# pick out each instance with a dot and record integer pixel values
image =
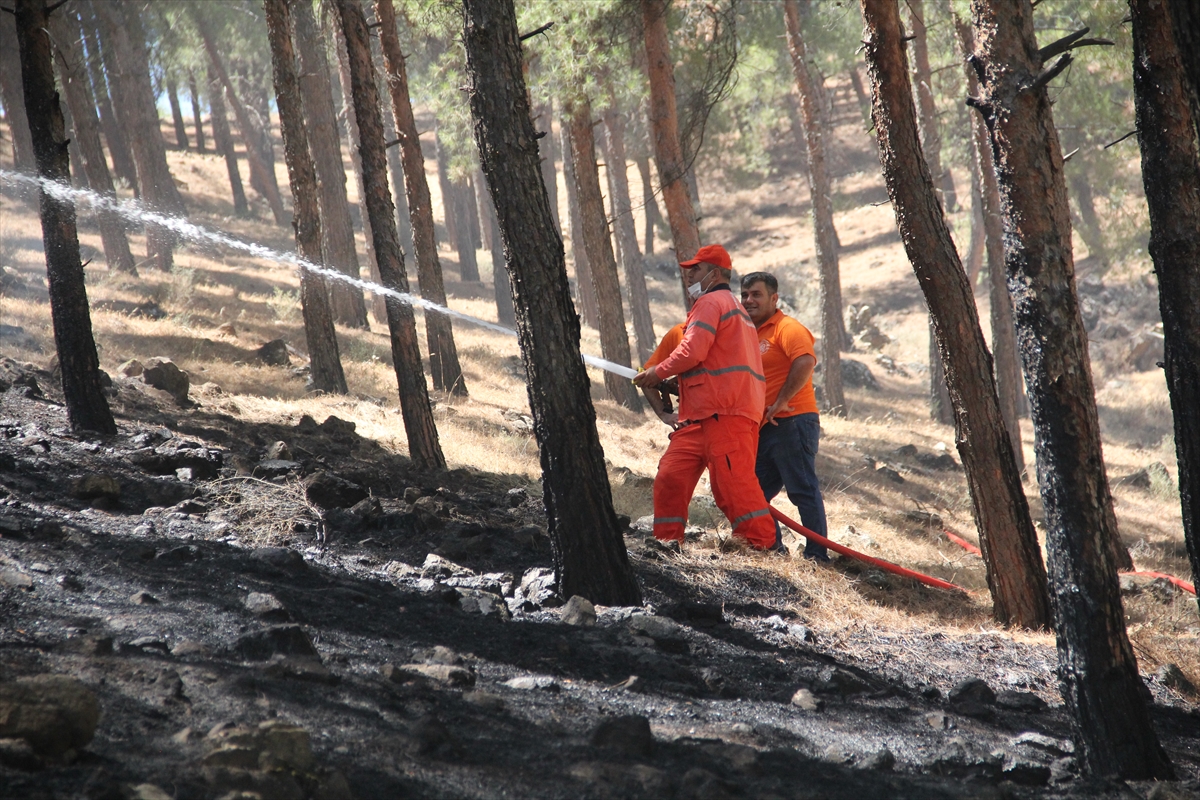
(694, 291)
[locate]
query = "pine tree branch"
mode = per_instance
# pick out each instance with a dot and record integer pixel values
(536, 31)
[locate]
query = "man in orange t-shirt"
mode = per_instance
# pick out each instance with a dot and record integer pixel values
(787, 443)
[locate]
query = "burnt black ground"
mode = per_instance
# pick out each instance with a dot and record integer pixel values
(715, 674)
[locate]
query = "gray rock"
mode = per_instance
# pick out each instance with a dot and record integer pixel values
(443, 655)
(143, 599)
(579, 611)
(274, 354)
(629, 735)
(531, 682)
(700, 784)
(266, 606)
(12, 579)
(889, 473)
(145, 643)
(88, 645)
(52, 713)
(537, 589)
(278, 450)
(17, 754)
(276, 468)
(96, 487)
(1172, 676)
(279, 640)
(937, 720)
(327, 490)
(284, 558)
(162, 373)
(1020, 701)
(437, 567)
(445, 674)
(972, 690)
(130, 369)
(806, 700)
(488, 702)
(1024, 771)
(960, 758)
(834, 680)
(882, 760)
(1041, 743)
(654, 626)
(1063, 770)
(430, 736)
(304, 668)
(857, 374)
(487, 604)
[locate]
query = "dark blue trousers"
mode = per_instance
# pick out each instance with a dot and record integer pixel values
(787, 455)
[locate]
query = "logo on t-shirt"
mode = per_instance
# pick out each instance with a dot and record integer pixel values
(763, 345)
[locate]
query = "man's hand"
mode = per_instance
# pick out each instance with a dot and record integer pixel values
(670, 419)
(771, 411)
(647, 379)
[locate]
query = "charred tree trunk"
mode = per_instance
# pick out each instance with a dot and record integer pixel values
(423, 445)
(654, 217)
(664, 127)
(102, 90)
(443, 354)
(87, 410)
(337, 227)
(833, 332)
(1171, 174)
(589, 552)
(1004, 337)
(1015, 573)
(181, 137)
(325, 364)
(64, 27)
(927, 119)
(614, 339)
(589, 314)
(627, 243)
(252, 133)
(197, 122)
(378, 304)
(123, 31)
(548, 150)
(1097, 669)
(13, 95)
(223, 142)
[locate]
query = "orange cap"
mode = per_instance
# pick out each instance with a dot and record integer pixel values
(710, 254)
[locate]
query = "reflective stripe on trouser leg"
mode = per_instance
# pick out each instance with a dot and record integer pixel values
(679, 470)
(730, 446)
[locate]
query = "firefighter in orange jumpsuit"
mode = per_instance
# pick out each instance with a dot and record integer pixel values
(722, 396)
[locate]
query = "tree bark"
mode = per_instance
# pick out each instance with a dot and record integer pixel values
(197, 122)
(585, 298)
(927, 118)
(13, 95)
(444, 187)
(78, 172)
(423, 445)
(1015, 573)
(977, 249)
(589, 552)
(505, 311)
(462, 201)
(1089, 223)
(118, 147)
(325, 366)
(395, 168)
(181, 137)
(614, 338)
(337, 227)
(378, 308)
(223, 141)
(654, 217)
(664, 127)
(1004, 336)
(123, 31)
(627, 243)
(64, 27)
(1163, 96)
(1097, 669)
(833, 331)
(548, 150)
(443, 354)
(87, 409)
(252, 133)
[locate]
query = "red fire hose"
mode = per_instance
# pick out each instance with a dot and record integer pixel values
(1180, 582)
(888, 566)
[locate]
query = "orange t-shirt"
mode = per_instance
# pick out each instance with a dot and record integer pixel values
(670, 341)
(782, 340)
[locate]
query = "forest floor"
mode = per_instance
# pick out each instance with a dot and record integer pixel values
(429, 659)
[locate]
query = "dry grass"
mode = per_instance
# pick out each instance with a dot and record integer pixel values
(866, 511)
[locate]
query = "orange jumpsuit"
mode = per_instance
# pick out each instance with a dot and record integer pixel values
(722, 396)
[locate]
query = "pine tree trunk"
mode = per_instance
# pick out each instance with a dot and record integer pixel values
(252, 133)
(446, 190)
(1089, 223)
(1015, 573)
(423, 445)
(13, 96)
(123, 32)
(87, 409)
(977, 248)
(337, 227)
(833, 332)
(395, 168)
(860, 94)
(1164, 96)
(118, 147)
(940, 408)
(548, 150)
(78, 172)
(325, 366)
(654, 217)
(377, 303)
(627, 243)
(664, 126)
(614, 338)
(443, 354)
(471, 213)
(223, 142)
(65, 30)
(927, 119)
(1004, 336)
(181, 137)
(479, 193)
(505, 312)
(589, 552)
(462, 201)
(197, 122)
(1097, 669)
(589, 314)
